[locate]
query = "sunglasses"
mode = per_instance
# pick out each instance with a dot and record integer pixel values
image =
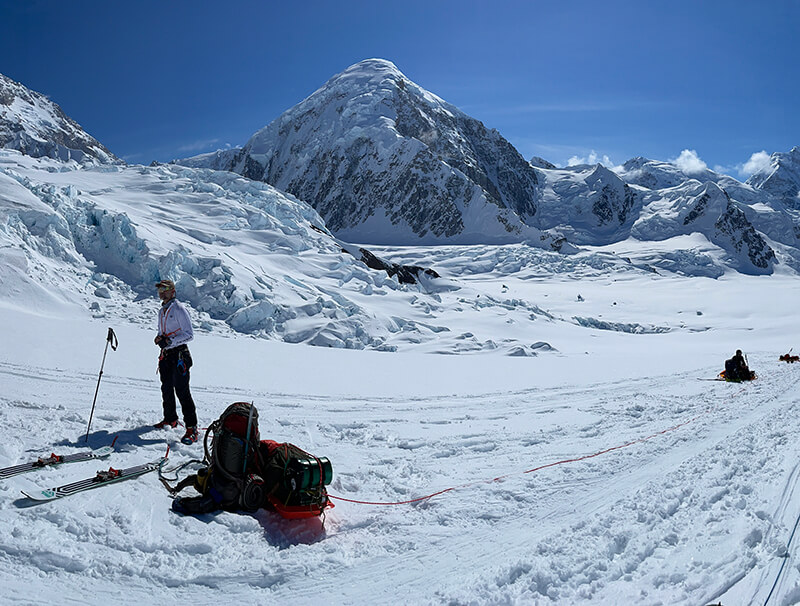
(163, 288)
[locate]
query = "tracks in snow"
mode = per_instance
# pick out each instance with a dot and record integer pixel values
(618, 528)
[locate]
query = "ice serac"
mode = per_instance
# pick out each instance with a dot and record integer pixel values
(385, 161)
(781, 179)
(37, 127)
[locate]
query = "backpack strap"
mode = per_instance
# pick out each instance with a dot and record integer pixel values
(187, 481)
(247, 438)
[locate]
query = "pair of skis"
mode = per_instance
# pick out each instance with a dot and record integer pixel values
(55, 459)
(102, 478)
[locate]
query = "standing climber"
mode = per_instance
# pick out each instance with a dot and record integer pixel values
(174, 332)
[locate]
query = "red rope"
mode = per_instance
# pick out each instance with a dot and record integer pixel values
(535, 469)
(331, 496)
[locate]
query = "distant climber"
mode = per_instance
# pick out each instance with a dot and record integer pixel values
(736, 368)
(174, 332)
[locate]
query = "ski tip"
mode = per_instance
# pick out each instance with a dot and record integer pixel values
(38, 496)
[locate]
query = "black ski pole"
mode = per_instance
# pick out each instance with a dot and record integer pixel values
(111, 339)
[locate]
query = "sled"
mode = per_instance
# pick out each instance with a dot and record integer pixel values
(297, 512)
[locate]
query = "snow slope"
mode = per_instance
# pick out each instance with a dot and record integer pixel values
(782, 178)
(252, 260)
(239, 251)
(694, 504)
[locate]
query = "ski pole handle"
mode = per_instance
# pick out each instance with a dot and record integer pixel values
(112, 339)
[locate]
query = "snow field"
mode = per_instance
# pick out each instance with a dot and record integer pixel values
(678, 519)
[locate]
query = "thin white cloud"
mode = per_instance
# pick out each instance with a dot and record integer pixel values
(588, 106)
(132, 158)
(689, 162)
(199, 145)
(758, 161)
(592, 158)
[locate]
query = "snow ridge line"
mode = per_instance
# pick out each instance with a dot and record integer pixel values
(533, 470)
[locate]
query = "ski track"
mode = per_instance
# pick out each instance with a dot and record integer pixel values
(464, 442)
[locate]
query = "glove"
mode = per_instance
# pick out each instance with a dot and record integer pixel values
(162, 341)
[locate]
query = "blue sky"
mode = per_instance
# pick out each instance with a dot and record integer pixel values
(156, 80)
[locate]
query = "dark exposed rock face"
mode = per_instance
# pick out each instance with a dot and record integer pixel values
(32, 124)
(699, 209)
(705, 208)
(733, 226)
(614, 199)
(406, 274)
(542, 163)
(467, 146)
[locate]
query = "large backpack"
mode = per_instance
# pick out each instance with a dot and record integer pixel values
(242, 472)
(232, 476)
(234, 462)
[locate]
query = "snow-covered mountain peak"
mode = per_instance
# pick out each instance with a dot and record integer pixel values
(781, 178)
(368, 73)
(364, 101)
(379, 77)
(588, 203)
(385, 161)
(600, 172)
(655, 174)
(34, 125)
(635, 163)
(354, 104)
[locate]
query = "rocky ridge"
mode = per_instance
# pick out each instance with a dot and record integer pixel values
(37, 127)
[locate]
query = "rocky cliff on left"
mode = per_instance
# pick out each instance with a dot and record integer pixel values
(37, 127)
